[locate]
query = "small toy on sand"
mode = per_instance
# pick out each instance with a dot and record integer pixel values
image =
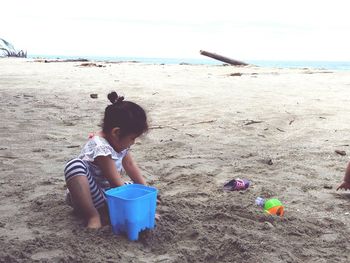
(237, 185)
(271, 206)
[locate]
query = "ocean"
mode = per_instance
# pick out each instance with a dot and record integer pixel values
(326, 65)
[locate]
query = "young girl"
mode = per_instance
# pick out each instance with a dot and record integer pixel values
(103, 157)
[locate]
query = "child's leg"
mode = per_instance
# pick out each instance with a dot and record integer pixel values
(84, 192)
(81, 198)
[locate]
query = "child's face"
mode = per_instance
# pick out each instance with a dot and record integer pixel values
(124, 142)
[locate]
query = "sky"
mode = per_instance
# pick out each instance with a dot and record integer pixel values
(243, 30)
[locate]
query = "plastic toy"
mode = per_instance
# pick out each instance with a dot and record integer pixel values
(237, 185)
(271, 206)
(132, 209)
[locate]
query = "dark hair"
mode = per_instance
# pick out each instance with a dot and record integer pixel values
(128, 116)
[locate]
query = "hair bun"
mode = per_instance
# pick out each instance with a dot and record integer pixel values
(114, 98)
(120, 99)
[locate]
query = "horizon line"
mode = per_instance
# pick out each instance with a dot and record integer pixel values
(179, 58)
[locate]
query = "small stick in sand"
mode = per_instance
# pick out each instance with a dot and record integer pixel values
(252, 122)
(194, 123)
(340, 152)
(8, 157)
(166, 126)
(162, 127)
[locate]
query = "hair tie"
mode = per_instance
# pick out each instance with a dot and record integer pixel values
(119, 100)
(114, 98)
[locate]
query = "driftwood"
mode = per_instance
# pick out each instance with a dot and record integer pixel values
(223, 59)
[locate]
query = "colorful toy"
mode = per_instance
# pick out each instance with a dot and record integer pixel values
(271, 206)
(237, 185)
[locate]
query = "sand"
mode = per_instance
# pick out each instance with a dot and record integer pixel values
(279, 128)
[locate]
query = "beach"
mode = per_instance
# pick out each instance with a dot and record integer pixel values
(278, 128)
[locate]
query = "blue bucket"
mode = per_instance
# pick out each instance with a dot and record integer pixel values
(132, 208)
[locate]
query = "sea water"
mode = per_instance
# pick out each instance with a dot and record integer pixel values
(327, 65)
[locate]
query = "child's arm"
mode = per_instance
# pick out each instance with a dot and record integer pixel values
(132, 170)
(346, 182)
(107, 166)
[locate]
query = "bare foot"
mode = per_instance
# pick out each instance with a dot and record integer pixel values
(157, 217)
(104, 215)
(94, 222)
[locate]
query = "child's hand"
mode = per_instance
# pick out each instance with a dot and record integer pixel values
(344, 185)
(159, 200)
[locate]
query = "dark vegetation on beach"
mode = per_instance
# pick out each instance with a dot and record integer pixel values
(8, 50)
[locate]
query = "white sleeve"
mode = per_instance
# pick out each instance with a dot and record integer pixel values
(99, 147)
(101, 150)
(96, 147)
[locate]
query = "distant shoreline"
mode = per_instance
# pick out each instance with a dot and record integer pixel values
(326, 65)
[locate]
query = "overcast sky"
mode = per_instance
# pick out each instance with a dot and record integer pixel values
(244, 29)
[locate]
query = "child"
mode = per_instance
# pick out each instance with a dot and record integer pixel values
(346, 182)
(103, 157)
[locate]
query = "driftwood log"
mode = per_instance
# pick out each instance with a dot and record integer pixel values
(223, 59)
